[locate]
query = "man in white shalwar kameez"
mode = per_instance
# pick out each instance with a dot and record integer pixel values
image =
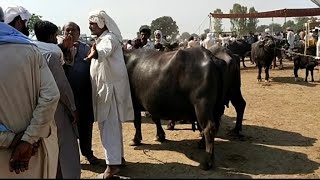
(209, 41)
(29, 98)
(110, 88)
(290, 39)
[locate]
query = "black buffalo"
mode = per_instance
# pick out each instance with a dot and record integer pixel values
(241, 48)
(183, 84)
(307, 62)
(281, 45)
(229, 66)
(263, 53)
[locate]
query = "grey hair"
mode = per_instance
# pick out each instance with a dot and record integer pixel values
(1, 15)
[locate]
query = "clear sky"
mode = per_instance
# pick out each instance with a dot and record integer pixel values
(190, 15)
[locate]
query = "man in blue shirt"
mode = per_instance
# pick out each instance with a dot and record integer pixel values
(78, 74)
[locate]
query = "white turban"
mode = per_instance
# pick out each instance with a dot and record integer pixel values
(158, 32)
(102, 19)
(267, 30)
(12, 12)
(160, 40)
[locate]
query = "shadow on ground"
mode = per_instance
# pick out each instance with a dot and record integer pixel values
(290, 80)
(234, 158)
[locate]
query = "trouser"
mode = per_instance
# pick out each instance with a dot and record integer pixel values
(111, 136)
(85, 125)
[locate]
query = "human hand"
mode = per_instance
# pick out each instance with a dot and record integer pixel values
(68, 41)
(76, 44)
(35, 148)
(93, 51)
(137, 43)
(16, 140)
(20, 157)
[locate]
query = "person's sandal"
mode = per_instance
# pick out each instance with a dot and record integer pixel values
(111, 171)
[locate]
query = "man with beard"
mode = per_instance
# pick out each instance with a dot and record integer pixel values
(29, 97)
(111, 94)
(18, 17)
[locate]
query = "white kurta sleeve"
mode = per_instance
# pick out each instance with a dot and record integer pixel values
(43, 114)
(6, 138)
(66, 94)
(106, 47)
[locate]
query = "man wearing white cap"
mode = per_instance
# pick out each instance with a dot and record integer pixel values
(18, 17)
(111, 94)
(29, 97)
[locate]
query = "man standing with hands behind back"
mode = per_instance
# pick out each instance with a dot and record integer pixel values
(29, 97)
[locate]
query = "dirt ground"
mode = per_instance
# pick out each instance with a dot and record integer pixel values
(281, 127)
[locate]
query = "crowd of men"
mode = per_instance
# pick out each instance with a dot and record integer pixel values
(52, 90)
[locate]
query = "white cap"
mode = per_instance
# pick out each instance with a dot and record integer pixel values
(267, 30)
(12, 12)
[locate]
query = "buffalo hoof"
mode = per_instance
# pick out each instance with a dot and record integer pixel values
(259, 80)
(160, 138)
(236, 135)
(170, 126)
(205, 165)
(306, 80)
(202, 144)
(281, 67)
(296, 79)
(135, 142)
(266, 80)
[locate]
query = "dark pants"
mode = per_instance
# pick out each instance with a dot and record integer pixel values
(79, 79)
(85, 125)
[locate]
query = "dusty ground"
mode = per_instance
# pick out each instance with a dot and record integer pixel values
(281, 127)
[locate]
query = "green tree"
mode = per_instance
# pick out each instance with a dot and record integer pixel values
(217, 22)
(252, 22)
(261, 28)
(204, 35)
(184, 36)
(195, 35)
(275, 27)
(239, 24)
(300, 21)
(289, 23)
(32, 21)
(166, 25)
